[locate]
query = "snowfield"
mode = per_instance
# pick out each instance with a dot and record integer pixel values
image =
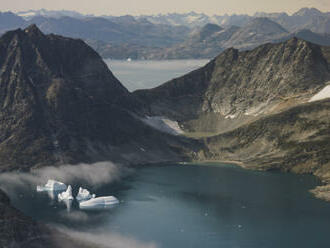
(164, 125)
(324, 93)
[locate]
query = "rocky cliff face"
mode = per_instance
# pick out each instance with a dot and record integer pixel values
(61, 104)
(237, 87)
(20, 231)
(17, 230)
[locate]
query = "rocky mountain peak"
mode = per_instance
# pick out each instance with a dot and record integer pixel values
(264, 25)
(59, 103)
(308, 12)
(205, 32)
(33, 30)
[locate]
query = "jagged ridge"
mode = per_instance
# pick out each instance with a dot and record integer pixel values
(236, 86)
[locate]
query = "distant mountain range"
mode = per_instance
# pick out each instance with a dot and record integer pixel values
(210, 40)
(175, 36)
(118, 30)
(305, 18)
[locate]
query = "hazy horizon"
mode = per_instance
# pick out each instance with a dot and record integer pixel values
(148, 7)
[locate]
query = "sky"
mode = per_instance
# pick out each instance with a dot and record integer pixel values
(138, 7)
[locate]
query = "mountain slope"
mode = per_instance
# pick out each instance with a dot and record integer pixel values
(116, 31)
(254, 33)
(237, 87)
(295, 140)
(207, 42)
(9, 20)
(305, 18)
(20, 231)
(61, 104)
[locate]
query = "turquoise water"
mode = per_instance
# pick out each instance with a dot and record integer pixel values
(145, 74)
(198, 206)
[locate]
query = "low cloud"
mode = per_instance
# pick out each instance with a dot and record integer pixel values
(95, 175)
(106, 240)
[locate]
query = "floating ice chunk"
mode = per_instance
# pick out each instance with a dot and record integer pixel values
(52, 185)
(84, 195)
(324, 93)
(66, 195)
(99, 203)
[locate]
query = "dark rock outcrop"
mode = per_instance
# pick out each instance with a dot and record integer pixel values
(17, 230)
(20, 231)
(61, 104)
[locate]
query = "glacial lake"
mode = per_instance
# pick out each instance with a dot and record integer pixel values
(146, 74)
(195, 205)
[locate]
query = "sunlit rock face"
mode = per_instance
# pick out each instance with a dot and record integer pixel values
(237, 87)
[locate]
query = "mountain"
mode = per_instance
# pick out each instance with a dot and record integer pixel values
(124, 51)
(232, 20)
(61, 104)
(206, 42)
(17, 230)
(295, 140)
(254, 107)
(258, 31)
(196, 20)
(305, 18)
(174, 36)
(191, 19)
(20, 231)
(9, 20)
(305, 34)
(116, 32)
(237, 87)
(27, 15)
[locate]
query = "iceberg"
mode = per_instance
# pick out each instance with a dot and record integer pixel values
(66, 195)
(99, 203)
(52, 185)
(84, 195)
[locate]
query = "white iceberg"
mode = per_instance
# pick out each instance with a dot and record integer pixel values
(84, 195)
(99, 203)
(66, 195)
(52, 185)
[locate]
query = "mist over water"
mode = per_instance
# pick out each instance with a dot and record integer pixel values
(95, 174)
(146, 74)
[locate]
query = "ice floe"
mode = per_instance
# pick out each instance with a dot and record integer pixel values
(66, 195)
(99, 203)
(84, 195)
